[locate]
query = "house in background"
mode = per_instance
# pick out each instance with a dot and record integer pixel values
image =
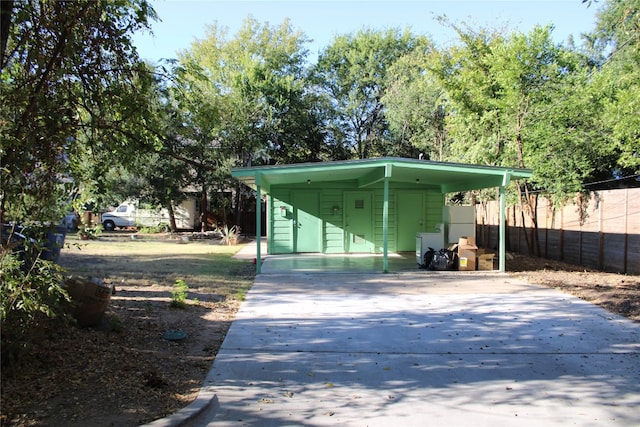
(362, 206)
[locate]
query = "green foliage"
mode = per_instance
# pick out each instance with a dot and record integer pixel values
(160, 228)
(179, 294)
(240, 101)
(352, 73)
(159, 177)
(30, 290)
(116, 324)
(416, 107)
(90, 233)
(522, 101)
(616, 46)
(241, 295)
(248, 95)
(71, 90)
(71, 105)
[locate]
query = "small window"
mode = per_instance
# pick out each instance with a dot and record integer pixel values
(122, 208)
(359, 204)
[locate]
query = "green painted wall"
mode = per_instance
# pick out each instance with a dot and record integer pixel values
(280, 230)
(281, 214)
(331, 208)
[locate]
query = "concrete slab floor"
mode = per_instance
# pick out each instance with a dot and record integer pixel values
(338, 263)
(328, 263)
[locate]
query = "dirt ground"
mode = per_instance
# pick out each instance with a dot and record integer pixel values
(125, 373)
(618, 293)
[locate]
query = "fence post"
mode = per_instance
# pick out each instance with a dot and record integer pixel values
(600, 234)
(626, 230)
(548, 221)
(580, 243)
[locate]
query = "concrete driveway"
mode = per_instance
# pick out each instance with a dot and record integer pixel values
(420, 349)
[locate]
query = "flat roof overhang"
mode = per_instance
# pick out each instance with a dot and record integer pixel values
(441, 176)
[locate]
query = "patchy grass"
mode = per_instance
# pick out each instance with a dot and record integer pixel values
(203, 265)
(124, 372)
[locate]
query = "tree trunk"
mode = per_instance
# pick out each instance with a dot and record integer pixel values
(172, 218)
(534, 226)
(203, 208)
(527, 237)
(6, 11)
(2, 209)
(530, 201)
(237, 209)
(528, 205)
(509, 246)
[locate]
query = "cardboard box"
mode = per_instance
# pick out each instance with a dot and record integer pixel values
(467, 243)
(485, 261)
(466, 260)
(467, 254)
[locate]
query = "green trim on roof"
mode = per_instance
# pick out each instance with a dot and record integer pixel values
(448, 177)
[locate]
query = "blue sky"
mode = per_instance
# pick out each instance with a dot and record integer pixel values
(183, 21)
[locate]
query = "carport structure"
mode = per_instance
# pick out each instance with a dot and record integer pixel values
(359, 205)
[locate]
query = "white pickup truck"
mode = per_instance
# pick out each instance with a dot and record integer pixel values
(123, 216)
(129, 215)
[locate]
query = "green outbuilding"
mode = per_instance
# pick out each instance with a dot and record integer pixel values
(362, 206)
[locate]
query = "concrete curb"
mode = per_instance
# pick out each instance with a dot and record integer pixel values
(205, 400)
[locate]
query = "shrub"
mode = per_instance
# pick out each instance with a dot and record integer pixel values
(30, 290)
(179, 295)
(160, 228)
(90, 233)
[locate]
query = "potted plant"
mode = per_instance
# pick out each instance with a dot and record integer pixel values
(230, 236)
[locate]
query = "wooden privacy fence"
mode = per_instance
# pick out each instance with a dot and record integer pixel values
(605, 236)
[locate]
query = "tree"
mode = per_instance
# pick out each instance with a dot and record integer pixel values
(70, 85)
(522, 101)
(155, 179)
(259, 80)
(352, 72)
(245, 102)
(71, 89)
(416, 107)
(616, 42)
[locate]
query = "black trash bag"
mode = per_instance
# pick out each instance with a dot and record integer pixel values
(442, 260)
(427, 258)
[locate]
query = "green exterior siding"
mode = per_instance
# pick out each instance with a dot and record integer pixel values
(433, 210)
(333, 220)
(332, 196)
(280, 228)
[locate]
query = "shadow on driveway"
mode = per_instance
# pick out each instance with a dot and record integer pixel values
(422, 349)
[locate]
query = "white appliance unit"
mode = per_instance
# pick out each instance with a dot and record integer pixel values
(429, 239)
(460, 222)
